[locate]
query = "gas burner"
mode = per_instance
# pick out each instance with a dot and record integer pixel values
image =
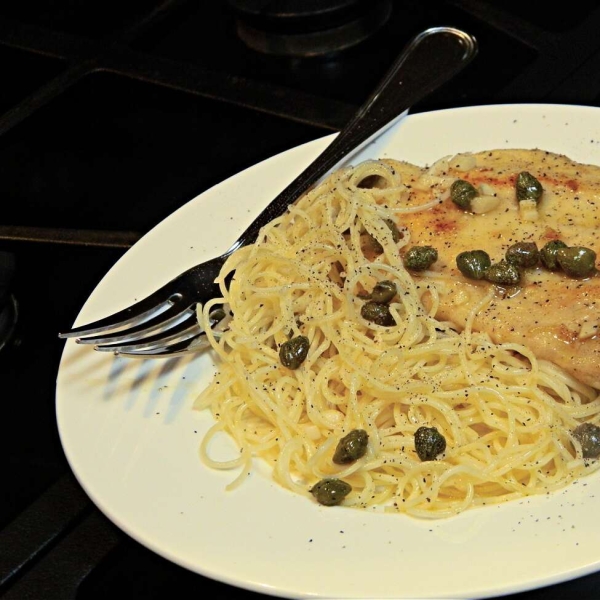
(303, 28)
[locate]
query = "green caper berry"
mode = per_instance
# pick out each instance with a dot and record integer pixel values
(523, 254)
(577, 261)
(383, 291)
(461, 193)
(351, 447)
(429, 442)
(503, 273)
(217, 315)
(330, 492)
(548, 254)
(377, 313)
(588, 436)
(294, 352)
(473, 263)
(396, 236)
(420, 258)
(528, 187)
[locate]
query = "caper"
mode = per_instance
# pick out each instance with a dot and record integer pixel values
(294, 352)
(523, 254)
(473, 263)
(330, 491)
(548, 254)
(461, 193)
(396, 236)
(420, 258)
(383, 291)
(217, 316)
(577, 261)
(429, 442)
(588, 436)
(377, 313)
(351, 447)
(528, 187)
(503, 273)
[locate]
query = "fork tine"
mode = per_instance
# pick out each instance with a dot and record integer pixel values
(183, 331)
(130, 316)
(194, 344)
(161, 321)
(176, 339)
(196, 282)
(159, 300)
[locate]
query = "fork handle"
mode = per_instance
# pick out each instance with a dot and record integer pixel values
(433, 57)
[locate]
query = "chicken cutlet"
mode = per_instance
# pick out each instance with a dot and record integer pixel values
(555, 314)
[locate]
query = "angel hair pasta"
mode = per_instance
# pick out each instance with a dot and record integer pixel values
(379, 406)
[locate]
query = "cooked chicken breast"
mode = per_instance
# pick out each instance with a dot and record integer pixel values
(556, 315)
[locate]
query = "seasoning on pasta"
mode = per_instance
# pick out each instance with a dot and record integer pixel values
(394, 407)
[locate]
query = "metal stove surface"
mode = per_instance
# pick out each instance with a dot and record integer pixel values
(101, 112)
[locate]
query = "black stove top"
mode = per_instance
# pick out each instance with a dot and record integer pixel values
(103, 117)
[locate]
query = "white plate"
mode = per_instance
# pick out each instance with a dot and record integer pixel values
(131, 436)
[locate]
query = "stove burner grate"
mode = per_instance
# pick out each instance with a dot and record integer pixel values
(298, 28)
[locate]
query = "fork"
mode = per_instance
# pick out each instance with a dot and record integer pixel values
(164, 323)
